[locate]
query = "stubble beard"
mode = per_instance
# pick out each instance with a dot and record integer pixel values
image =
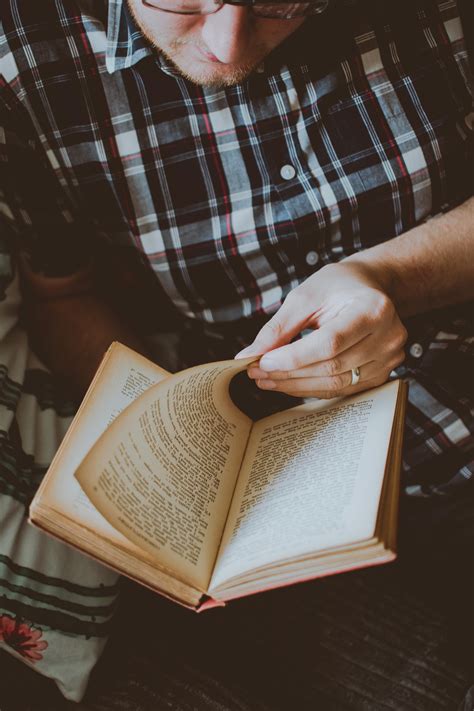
(213, 78)
(207, 78)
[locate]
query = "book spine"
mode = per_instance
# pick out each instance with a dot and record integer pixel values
(207, 603)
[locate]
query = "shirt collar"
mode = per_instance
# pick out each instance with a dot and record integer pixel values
(126, 45)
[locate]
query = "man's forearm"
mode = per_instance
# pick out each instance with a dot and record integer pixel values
(429, 266)
(70, 326)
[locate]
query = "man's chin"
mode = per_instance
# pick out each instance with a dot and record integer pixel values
(215, 75)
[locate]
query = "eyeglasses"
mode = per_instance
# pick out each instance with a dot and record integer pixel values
(261, 8)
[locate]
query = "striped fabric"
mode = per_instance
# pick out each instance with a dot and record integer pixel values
(55, 604)
(201, 208)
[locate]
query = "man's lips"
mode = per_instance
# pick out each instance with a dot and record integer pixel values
(209, 56)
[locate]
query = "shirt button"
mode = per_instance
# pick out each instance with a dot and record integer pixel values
(416, 350)
(469, 121)
(288, 172)
(320, 6)
(312, 258)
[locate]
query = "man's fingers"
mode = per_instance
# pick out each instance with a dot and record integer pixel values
(325, 343)
(334, 383)
(328, 387)
(340, 363)
(280, 329)
(389, 355)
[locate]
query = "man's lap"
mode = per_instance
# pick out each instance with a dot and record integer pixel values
(329, 637)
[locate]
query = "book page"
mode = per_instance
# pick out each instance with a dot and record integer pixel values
(121, 378)
(164, 472)
(311, 479)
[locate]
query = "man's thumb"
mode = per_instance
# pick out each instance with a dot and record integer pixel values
(278, 331)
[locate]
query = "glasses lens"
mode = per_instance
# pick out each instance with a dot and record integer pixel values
(287, 11)
(275, 10)
(283, 11)
(185, 7)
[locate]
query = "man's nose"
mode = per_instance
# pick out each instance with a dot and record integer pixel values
(227, 33)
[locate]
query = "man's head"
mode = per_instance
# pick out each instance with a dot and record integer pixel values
(216, 49)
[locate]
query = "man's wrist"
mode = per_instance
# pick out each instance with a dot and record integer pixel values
(429, 266)
(401, 271)
(376, 272)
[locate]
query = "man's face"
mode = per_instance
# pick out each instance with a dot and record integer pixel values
(213, 50)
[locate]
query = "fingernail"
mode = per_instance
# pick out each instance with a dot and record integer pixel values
(266, 384)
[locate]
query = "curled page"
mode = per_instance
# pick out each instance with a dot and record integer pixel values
(164, 472)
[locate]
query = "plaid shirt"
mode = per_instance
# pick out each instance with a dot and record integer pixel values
(220, 201)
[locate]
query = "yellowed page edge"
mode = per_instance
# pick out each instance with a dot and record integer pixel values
(110, 392)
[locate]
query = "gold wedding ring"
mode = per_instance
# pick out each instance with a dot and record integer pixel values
(355, 376)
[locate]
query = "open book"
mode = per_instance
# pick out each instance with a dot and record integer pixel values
(165, 479)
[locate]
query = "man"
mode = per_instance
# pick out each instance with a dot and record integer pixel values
(193, 168)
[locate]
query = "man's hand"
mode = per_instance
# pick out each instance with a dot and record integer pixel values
(353, 307)
(355, 325)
